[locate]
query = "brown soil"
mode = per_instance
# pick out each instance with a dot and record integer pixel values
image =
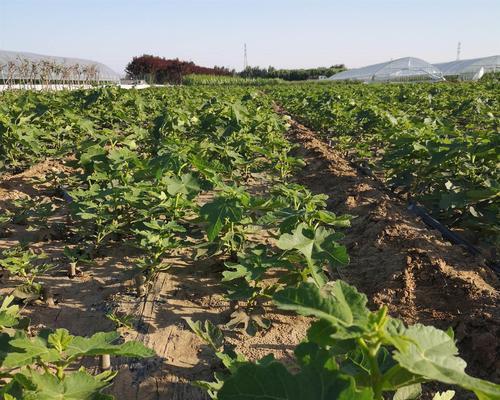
(397, 261)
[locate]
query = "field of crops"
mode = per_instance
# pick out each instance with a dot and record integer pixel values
(165, 243)
(437, 144)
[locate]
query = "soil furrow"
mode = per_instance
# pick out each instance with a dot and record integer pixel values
(397, 261)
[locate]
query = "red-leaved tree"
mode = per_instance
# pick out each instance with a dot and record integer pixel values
(160, 70)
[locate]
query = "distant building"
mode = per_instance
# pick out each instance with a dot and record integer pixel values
(407, 69)
(471, 69)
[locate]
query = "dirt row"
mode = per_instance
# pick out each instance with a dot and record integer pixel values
(397, 261)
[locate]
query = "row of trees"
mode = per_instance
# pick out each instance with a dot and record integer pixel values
(291, 74)
(160, 70)
(28, 74)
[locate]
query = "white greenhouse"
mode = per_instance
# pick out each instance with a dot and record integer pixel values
(29, 70)
(472, 69)
(407, 69)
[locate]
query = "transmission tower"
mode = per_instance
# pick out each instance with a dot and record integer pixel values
(459, 47)
(245, 58)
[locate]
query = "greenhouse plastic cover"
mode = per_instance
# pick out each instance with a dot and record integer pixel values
(104, 73)
(470, 67)
(402, 69)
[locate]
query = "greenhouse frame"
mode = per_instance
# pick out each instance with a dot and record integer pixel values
(406, 69)
(37, 71)
(472, 69)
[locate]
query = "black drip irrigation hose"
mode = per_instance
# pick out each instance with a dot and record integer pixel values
(61, 192)
(430, 221)
(434, 223)
(453, 237)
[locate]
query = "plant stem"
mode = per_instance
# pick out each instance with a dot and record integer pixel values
(375, 374)
(60, 372)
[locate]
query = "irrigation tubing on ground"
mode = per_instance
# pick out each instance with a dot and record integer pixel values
(448, 234)
(428, 219)
(434, 223)
(61, 192)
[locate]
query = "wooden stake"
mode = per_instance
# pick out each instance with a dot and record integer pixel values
(105, 362)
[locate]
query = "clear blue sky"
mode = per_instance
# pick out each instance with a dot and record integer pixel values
(282, 33)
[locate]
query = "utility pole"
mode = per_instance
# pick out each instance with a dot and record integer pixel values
(459, 47)
(245, 58)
